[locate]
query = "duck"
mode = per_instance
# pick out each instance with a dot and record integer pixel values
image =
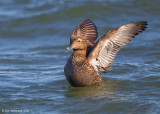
(90, 57)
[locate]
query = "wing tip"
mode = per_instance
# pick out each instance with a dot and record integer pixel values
(142, 26)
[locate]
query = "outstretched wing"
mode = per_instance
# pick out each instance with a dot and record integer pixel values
(86, 31)
(105, 50)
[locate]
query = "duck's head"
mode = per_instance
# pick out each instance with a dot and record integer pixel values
(78, 44)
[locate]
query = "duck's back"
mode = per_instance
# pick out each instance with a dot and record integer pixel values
(80, 73)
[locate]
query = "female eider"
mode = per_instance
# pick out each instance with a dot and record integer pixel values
(90, 58)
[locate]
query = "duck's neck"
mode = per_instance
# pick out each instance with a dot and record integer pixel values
(80, 53)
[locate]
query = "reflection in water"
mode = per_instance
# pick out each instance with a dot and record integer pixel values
(104, 89)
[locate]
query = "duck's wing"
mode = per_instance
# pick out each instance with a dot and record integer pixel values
(105, 50)
(86, 31)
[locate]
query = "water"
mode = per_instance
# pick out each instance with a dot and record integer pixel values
(33, 38)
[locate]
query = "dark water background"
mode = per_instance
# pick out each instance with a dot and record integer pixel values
(33, 37)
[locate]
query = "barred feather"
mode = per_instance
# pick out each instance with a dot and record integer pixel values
(107, 46)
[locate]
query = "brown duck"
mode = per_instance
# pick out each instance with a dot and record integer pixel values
(90, 58)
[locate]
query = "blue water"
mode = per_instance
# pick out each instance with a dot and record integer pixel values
(33, 38)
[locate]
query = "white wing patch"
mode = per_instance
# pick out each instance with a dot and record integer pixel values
(95, 64)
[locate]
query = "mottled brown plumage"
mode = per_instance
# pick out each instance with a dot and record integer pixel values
(89, 59)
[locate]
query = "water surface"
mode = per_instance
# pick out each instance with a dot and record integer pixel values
(33, 38)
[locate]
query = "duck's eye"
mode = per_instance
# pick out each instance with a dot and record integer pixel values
(79, 40)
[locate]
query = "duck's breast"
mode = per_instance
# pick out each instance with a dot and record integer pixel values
(79, 72)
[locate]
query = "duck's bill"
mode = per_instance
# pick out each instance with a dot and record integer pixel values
(69, 48)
